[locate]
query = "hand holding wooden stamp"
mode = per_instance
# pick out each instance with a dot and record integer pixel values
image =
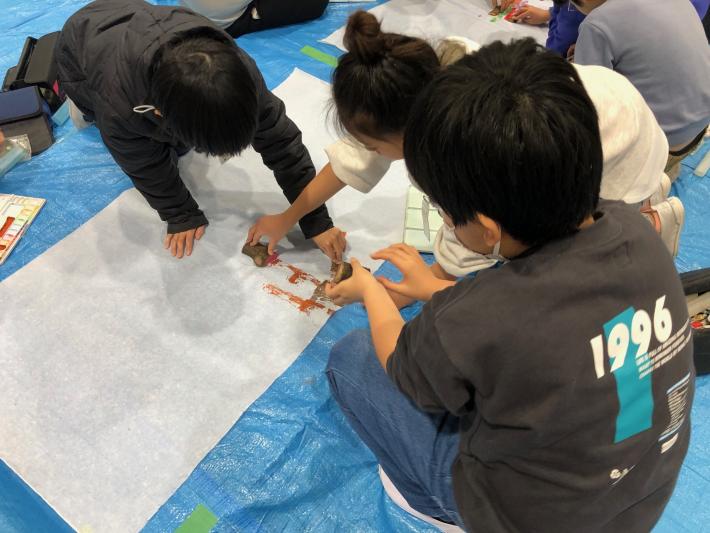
(259, 254)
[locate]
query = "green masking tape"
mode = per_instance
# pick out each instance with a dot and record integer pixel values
(201, 520)
(320, 56)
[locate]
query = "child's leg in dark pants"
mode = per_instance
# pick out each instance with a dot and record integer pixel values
(275, 13)
(415, 449)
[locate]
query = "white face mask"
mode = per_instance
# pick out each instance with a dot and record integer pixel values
(427, 204)
(496, 254)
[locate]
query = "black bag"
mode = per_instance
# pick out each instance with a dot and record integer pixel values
(696, 285)
(37, 67)
(24, 112)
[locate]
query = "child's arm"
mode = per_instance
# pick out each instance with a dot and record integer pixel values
(401, 300)
(385, 321)
(420, 281)
(279, 142)
(593, 47)
(531, 15)
(350, 164)
(323, 187)
(155, 173)
(440, 273)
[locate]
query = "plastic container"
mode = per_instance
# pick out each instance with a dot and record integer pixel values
(14, 150)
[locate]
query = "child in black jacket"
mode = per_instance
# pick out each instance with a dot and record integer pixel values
(160, 80)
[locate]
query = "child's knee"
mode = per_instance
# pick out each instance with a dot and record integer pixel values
(353, 368)
(351, 362)
(349, 352)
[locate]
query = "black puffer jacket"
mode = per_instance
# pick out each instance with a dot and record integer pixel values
(104, 58)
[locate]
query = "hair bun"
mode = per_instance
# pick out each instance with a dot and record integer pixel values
(364, 38)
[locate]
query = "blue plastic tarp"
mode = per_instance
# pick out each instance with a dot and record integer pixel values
(291, 462)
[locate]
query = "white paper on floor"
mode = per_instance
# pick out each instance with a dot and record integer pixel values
(121, 367)
(436, 19)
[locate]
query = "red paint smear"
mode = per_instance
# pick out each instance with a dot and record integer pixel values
(303, 305)
(297, 275)
(6, 225)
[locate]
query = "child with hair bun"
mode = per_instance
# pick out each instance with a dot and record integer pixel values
(374, 87)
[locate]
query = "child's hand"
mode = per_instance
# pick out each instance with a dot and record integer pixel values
(354, 288)
(419, 281)
(181, 244)
(273, 227)
(332, 243)
(531, 15)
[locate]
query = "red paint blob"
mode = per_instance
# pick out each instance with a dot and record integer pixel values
(303, 305)
(299, 275)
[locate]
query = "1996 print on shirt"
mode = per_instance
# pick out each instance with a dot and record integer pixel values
(626, 340)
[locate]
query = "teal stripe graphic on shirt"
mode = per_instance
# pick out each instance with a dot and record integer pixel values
(635, 395)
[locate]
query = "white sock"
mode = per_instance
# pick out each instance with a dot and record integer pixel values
(402, 503)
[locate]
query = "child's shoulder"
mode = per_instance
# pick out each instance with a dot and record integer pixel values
(577, 264)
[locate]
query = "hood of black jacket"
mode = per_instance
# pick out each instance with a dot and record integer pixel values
(114, 43)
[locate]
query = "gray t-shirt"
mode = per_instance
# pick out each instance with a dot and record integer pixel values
(662, 49)
(222, 12)
(571, 371)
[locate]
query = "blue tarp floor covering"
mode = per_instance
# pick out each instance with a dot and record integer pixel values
(290, 463)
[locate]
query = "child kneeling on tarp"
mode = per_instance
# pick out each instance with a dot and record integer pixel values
(552, 393)
(239, 17)
(159, 81)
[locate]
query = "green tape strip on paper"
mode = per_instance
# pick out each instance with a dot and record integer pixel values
(320, 56)
(201, 520)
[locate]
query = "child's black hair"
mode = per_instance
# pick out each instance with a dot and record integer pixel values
(508, 132)
(205, 94)
(377, 80)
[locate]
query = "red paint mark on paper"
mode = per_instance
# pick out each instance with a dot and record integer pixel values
(303, 305)
(297, 275)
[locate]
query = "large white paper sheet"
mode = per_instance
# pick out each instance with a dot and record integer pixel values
(436, 19)
(121, 367)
